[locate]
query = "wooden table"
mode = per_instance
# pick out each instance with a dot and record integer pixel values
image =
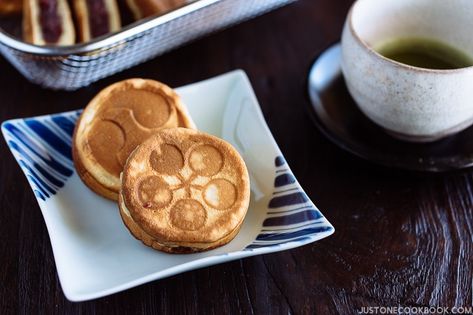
(401, 238)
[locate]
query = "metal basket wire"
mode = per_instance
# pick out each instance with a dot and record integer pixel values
(73, 67)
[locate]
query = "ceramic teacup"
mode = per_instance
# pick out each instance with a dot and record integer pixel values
(411, 103)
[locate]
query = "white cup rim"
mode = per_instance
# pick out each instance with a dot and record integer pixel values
(391, 61)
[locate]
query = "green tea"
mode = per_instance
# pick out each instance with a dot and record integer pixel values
(424, 53)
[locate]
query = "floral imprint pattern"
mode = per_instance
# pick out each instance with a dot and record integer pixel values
(193, 185)
(187, 214)
(123, 121)
(115, 122)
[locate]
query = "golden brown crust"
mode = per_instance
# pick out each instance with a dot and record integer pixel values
(27, 22)
(32, 31)
(148, 240)
(82, 18)
(88, 179)
(82, 15)
(185, 188)
(145, 8)
(98, 154)
(8, 7)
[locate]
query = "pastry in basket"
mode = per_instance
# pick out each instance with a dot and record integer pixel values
(10, 6)
(184, 191)
(118, 119)
(96, 18)
(48, 22)
(145, 8)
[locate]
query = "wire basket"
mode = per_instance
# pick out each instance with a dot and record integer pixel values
(73, 67)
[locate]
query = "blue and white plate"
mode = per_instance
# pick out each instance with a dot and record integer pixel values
(94, 252)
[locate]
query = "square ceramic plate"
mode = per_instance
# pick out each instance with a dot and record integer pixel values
(96, 255)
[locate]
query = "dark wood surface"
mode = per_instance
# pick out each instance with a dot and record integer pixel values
(401, 238)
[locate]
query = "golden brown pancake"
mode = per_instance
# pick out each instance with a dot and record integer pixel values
(90, 23)
(145, 8)
(184, 191)
(117, 120)
(10, 6)
(59, 28)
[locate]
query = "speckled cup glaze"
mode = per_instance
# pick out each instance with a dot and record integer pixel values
(411, 103)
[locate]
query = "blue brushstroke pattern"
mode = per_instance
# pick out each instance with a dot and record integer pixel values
(279, 161)
(44, 156)
(303, 216)
(288, 200)
(284, 180)
(282, 236)
(257, 245)
(50, 137)
(292, 217)
(64, 123)
(24, 139)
